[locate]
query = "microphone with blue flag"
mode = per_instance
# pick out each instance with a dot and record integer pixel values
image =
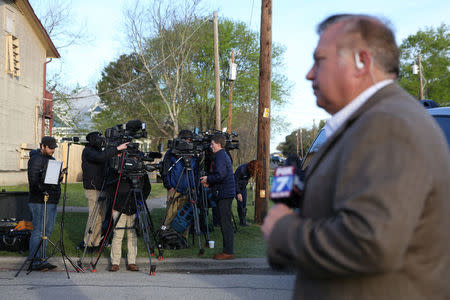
(287, 187)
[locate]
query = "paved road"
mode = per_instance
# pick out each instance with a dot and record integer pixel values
(175, 279)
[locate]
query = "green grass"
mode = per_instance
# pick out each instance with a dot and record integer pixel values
(75, 192)
(248, 241)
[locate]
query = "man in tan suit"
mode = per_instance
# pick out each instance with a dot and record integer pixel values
(375, 216)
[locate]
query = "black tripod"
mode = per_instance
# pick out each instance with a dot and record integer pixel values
(192, 193)
(42, 245)
(144, 218)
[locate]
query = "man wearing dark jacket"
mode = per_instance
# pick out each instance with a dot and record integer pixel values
(37, 166)
(94, 161)
(221, 180)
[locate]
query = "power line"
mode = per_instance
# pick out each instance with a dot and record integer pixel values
(251, 15)
(153, 68)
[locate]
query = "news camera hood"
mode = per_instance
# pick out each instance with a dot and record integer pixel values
(134, 125)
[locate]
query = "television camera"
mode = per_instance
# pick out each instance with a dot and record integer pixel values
(201, 142)
(131, 161)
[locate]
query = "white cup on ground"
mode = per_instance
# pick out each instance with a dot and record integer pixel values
(211, 244)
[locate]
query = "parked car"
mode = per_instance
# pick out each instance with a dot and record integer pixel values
(442, 117)
(440, 114)
(315, 146)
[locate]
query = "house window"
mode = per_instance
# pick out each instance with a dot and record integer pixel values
(10, 21)
(12, 55)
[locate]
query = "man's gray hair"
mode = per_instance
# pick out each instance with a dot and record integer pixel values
(373, 32)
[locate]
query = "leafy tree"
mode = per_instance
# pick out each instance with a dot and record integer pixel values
(177, 86)
(433, 44)
(127, 93)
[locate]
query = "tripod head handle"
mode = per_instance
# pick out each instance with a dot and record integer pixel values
(46, 196)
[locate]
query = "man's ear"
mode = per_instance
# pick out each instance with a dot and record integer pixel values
(359, 64)
(363, 61)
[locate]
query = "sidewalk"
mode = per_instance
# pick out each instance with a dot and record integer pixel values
(156, 202)
(256, 266)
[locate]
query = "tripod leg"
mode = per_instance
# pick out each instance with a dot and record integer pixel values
(105, 238)
(234, 222)
(64, 256)
(152, 230)
(29, 260)
(143, 223)
(205, 213)
(192, 197)
(92, 221)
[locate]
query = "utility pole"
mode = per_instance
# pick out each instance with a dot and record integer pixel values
(263, 143)
(296, 135)
(418, 70)
(216, 70)
(231, 78)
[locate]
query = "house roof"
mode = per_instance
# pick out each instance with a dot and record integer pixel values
(40, 31)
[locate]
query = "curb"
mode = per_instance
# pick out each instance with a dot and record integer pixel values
(168, 265)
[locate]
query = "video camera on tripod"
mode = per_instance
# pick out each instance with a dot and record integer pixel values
(201, 142)
(132, 161)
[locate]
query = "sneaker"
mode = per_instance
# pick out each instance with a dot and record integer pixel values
(50, 266)
(38, 267)
(223, 256)
(132, 267)
(43, 267)
(114, 268)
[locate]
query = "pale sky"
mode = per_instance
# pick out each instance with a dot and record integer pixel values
(293, 26)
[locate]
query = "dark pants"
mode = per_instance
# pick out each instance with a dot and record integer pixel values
(224, 209)
(243, 204)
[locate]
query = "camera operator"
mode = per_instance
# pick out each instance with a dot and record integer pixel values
(221, 180)
(94, 161)
(176, 181)
(124, 205)
(37, 166)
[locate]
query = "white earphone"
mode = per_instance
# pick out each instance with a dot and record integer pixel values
(359, 64)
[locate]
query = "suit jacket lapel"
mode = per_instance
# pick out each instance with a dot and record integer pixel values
(377, 97)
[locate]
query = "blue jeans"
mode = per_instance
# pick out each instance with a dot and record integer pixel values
(37, 211)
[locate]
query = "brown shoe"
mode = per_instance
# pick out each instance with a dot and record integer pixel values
(132, 267)
(223, 256)
(114, 268)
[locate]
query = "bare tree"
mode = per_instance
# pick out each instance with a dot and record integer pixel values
(162, 36)
(58, 20)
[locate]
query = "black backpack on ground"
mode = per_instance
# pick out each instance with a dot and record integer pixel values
(170, 239)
